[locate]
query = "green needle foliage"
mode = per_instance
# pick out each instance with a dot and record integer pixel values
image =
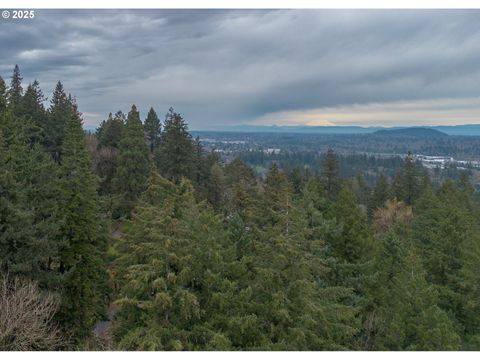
(153, 130)
(133, 164)
(82, 237)
(176, 153)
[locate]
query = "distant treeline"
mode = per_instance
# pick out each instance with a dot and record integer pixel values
(369, 167)
(460, 147)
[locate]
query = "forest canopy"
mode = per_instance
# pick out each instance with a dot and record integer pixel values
(135, 237)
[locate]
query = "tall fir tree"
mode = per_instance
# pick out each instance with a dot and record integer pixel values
(331, 174)
(17, 237)
(241, 193)
(109, 133)
(176, 154)
(411, 184)
(82, 237)
(28, 198)
(216, 187)
(32, 110)
(15, 91)
(59, 113)
(153, 129)
(355, 242)
(133, 164)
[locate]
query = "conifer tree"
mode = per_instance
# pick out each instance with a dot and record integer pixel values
(467, 287)
(331, 174)
(447, 232)
(133, 164)
(3, 96)
(174, 266)
(285, 257)
(110, 131)
(202, 166)
(17, 244)
(381, 193)
(176, 153)
(32, 104)
(109, 135)
(350, 250)
(355, 242)
(412, 319)
(32, 110)
(29, 187)
(15, 91)
(240, 191)
(59, 113)
(216, 187)
(411, 180)
(360, 189)
(398, 187)
(82, 237)
(153, 129)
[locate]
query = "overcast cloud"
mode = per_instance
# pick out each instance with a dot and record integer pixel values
(267, 67)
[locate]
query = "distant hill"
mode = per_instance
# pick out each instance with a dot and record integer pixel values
(464, 130)
(411, 132)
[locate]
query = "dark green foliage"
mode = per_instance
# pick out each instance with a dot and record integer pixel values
(381, 193)
(216, 187)
(366, 254)
(60, 112)
(32, 110)
(398, 187)
(175, 156)
(241, 193)
(289, 270)
(331, 174)
(354, 243)
(109, 133)
(133, 164)
(28, 188)
(16, 221)
(411, 318)
(153, 129)
(82, 238)
(446, 230)
(15, 92)
(191, 285)
(3, 96)
(178, 283)
(411, 185)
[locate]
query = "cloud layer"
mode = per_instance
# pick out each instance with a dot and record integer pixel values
(229, 67)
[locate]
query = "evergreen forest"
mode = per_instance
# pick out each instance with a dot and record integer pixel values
(135, 237)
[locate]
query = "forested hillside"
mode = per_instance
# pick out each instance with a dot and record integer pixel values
(197, 254)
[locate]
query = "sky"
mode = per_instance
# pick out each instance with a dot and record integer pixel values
(221, 68)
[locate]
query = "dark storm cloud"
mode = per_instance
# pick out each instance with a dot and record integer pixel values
(225, 67)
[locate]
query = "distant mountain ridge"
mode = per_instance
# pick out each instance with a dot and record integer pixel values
(464, 130)
(411, 132)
